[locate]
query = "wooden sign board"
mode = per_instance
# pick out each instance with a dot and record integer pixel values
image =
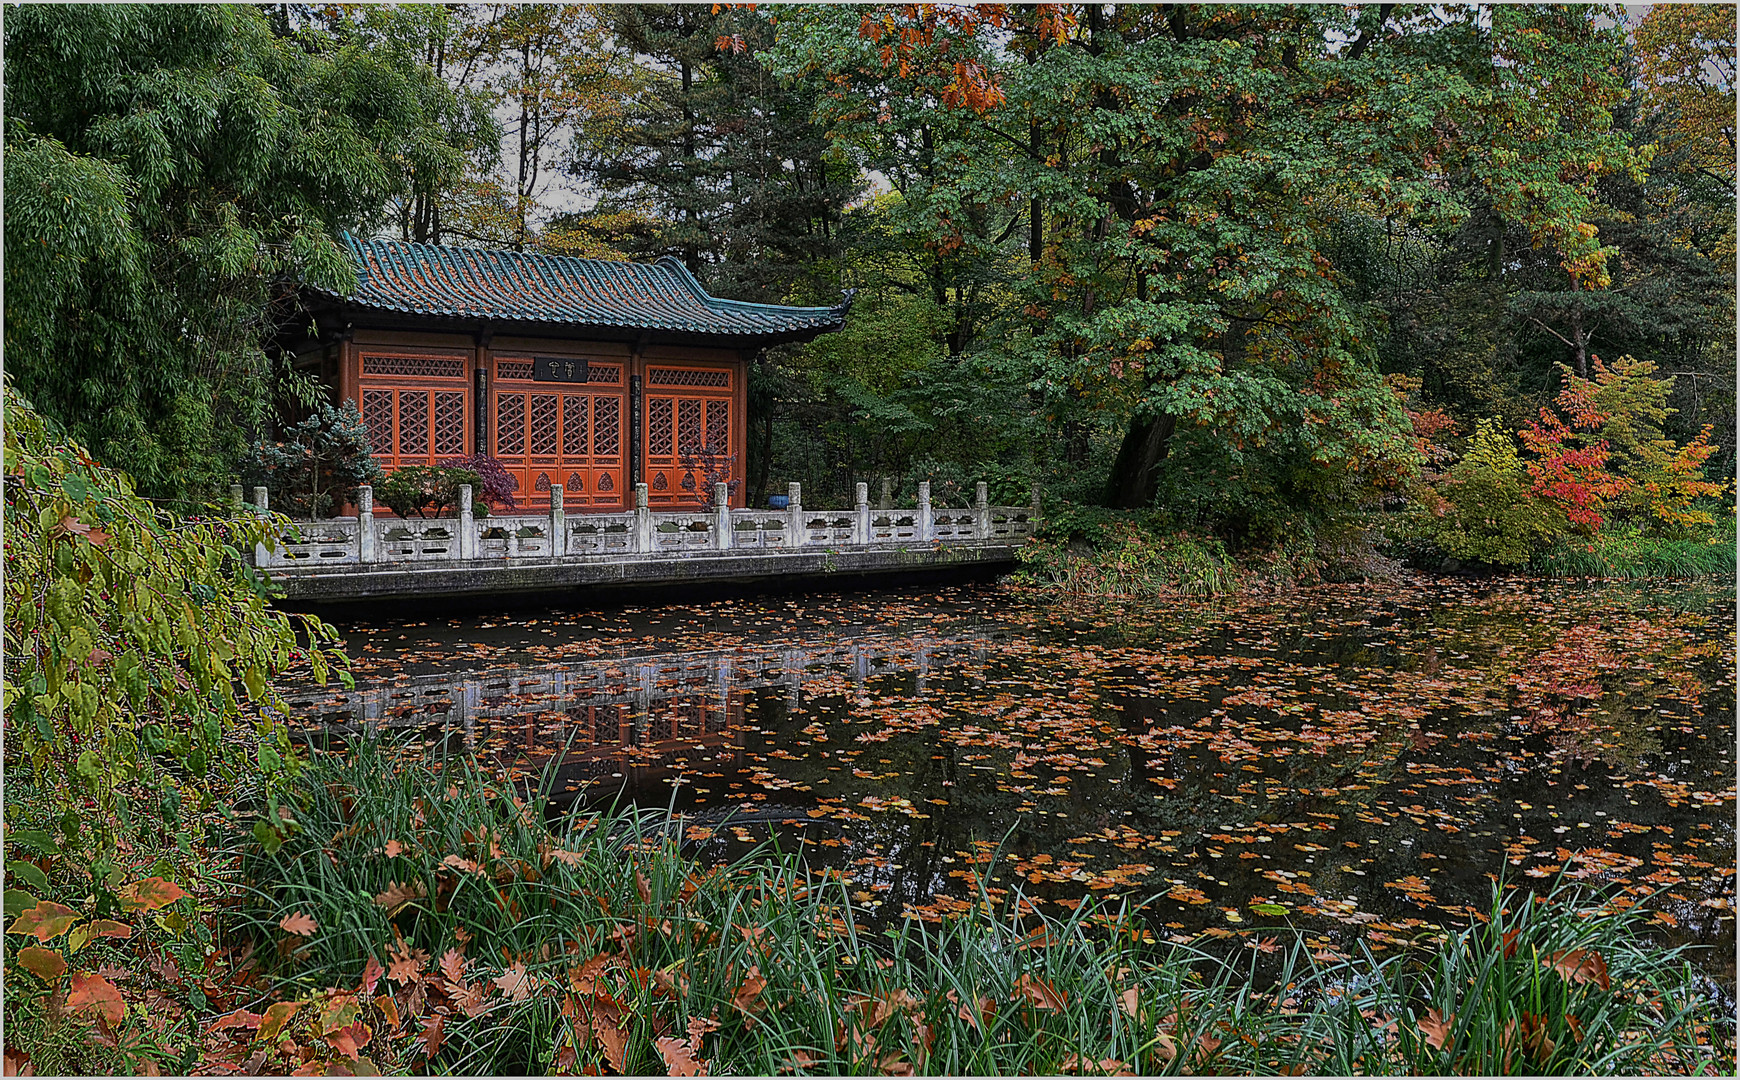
(559, 369)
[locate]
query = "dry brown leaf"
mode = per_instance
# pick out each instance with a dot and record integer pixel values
(1580, 966)
(1436, 1028)
(299, 924)
(515, 982)
(397, 896)
(1040, 994)
(680, 1059)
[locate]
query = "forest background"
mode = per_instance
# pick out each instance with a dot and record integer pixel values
(1271, 276)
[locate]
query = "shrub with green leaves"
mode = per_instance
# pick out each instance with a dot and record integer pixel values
(318, 464)
(427, 490)
(1487, 514)
(140, 647)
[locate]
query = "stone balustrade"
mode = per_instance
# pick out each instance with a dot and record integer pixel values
(365, 540)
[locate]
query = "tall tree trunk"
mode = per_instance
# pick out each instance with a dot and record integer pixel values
(1135, 475)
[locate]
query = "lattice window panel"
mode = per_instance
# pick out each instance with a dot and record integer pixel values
(718, 426)
(413, 423)
(432, 367)
(510, 424)
(658, 426)
(574, 410)
(688, 426)
(544, 427)
(682, 377)
(513, 369)
(607, 426)
(449, 424)
(604, 373)
(377, 410)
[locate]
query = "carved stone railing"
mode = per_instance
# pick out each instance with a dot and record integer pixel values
(368, 540)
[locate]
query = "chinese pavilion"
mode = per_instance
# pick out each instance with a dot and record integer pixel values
(588, 373)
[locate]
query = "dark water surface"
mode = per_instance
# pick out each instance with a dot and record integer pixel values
(1367, 757)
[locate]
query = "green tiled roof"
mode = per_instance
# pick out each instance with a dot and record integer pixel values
(520, 287)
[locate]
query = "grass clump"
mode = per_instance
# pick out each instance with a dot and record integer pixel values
(425, 920)
(1629, 553)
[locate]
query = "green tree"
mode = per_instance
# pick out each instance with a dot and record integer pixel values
(140, 648)
(165, 166)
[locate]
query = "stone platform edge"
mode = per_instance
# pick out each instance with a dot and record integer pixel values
(483, 577)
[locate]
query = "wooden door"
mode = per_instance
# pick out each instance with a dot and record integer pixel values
(562, 433)
(691, 437)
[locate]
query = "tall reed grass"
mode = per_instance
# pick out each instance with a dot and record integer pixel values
(589, 941)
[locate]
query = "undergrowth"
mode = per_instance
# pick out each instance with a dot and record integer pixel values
(427, 920)
(1626, 552)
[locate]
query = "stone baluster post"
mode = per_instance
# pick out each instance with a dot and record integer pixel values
(262, 557)
(982, 511)
(886, 503)
(643, 530)
(1033, 509)
(558, 523)
(798, 534)
(722, 517)
(926, 525)
(861, 519)
(467, 524)
(365, 523)
(236, 502)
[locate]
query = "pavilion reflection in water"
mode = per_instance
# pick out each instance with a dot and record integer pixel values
(625, 720)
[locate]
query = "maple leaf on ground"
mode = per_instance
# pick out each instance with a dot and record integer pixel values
(45, 964)
(93, 993)
(45, 920)
(453, 966)
(433, 1036)
(405, 964)
(150, 894)
(746, 999)
(1040, 994)
(299, 924)
(274, 1019)
(1436, 1028)
(1580, 966)
(680, 1059)
(397, 896)
(515, 982)
(109, 928)
(350, 1039)
(372, 973)
(241, 1018)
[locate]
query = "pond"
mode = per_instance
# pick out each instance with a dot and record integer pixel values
(1368, 758)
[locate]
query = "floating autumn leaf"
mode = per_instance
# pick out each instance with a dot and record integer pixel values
(515, 982)
(1040, 994)
(299, 924)
(95, 994)
(1435, 1028)
(396, 896)
(47, 919)
(45, 964)
(150, 894)
(1580, 966)
(680, 1059)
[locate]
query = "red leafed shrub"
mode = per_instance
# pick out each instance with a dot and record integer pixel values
(498, 485)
